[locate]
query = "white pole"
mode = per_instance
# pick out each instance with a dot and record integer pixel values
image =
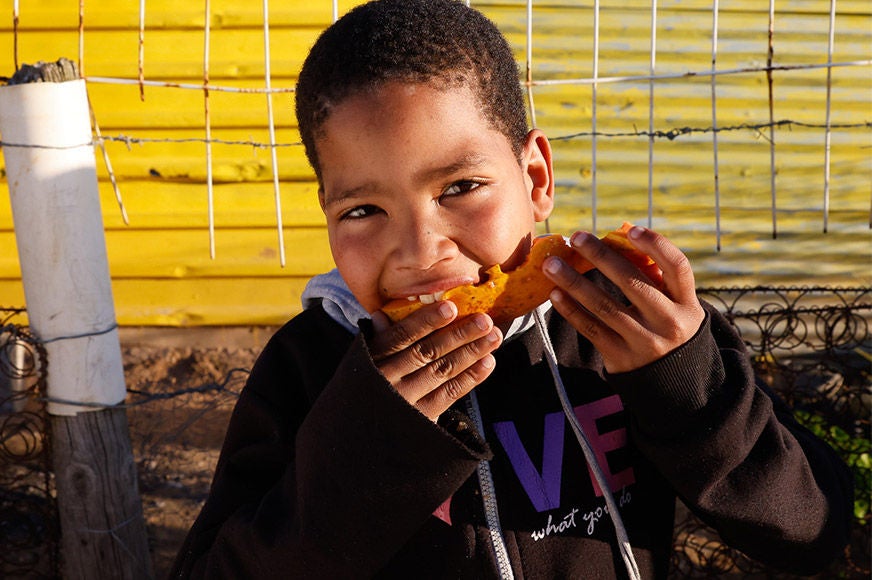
(52, 178)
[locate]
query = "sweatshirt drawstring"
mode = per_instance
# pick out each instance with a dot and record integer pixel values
(620, 530)
(489, 497)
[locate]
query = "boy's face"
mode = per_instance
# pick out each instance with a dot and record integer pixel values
(422, 194)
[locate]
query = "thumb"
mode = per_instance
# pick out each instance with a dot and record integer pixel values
(380, 321)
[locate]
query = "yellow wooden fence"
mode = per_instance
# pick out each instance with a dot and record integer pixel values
(160, 261)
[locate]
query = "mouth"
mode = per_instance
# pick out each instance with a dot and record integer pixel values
(427, 298)
(428, 293)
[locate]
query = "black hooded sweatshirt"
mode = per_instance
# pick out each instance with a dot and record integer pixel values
(327, 472)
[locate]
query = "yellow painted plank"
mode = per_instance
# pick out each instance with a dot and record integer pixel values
(161, 204)
(173, 54)
(173, 108)
(180, 254)
(228, 13)
(228, 301)
(230, 163)
(114, 14)
(217, 301)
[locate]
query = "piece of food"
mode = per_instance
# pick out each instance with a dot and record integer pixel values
(507, 295)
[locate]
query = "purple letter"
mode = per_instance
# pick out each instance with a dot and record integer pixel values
(543, 489)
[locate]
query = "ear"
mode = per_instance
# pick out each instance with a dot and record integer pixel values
(539, 173)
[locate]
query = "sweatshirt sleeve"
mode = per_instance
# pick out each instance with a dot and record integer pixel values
(333, 490)
(736, 456)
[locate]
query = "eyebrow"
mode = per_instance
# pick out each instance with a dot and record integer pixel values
(464, 162)
(348, 194)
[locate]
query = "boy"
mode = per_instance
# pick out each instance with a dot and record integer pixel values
(437, 446)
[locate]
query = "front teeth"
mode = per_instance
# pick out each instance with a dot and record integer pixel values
(427, 298)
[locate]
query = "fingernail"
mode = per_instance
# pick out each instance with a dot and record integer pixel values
(578, 238)
(493, 336)
(552, 265)
(488, 362)
(446, 310)
(636, 232)
(480, 322)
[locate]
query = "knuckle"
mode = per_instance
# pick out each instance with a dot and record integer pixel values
(683, 267)
(460, 332)
(575, 313)
(638, 284)
(675, 334)
(442, 368)
(399, 334)
(599, 251)
(576, 283)
(424, 352)
(454, 389)
(607, 307)
(590, 329)
(660, 349)
(476, 349)
(477, 324)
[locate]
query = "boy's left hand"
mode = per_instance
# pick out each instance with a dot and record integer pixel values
(656, 322)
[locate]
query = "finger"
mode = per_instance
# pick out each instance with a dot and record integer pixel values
(586, 301)
(445, 371)
(393, 338)
(648, 300)
(678, 279)
(579, 317)
(432, 350)
(440, 399)
(617, 268)
(380, 321)
(595, 314)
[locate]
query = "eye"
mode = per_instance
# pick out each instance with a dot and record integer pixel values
(359, 212)
(462, 186)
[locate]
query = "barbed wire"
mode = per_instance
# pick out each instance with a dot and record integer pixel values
(670, 134)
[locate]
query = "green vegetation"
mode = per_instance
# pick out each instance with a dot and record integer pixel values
(855, 451)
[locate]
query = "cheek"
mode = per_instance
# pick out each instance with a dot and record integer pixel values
(505, 226)
(360, 268)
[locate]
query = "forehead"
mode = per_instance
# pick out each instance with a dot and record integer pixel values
(397, 101)
(405, 127)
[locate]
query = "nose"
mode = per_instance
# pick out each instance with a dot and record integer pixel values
(422, 245)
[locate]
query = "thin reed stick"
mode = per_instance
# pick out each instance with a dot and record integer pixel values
(272, 134)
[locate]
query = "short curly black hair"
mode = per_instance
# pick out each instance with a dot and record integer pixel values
(417, 41)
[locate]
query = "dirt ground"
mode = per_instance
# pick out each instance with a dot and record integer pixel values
(183, 387)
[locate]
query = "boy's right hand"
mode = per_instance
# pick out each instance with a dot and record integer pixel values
(432, 358)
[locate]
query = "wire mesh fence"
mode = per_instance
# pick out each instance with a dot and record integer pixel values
(636, 97)
(29, 527)
(812, 345)
(722, 126)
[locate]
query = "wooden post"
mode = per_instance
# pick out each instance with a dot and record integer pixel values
(51, 171)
